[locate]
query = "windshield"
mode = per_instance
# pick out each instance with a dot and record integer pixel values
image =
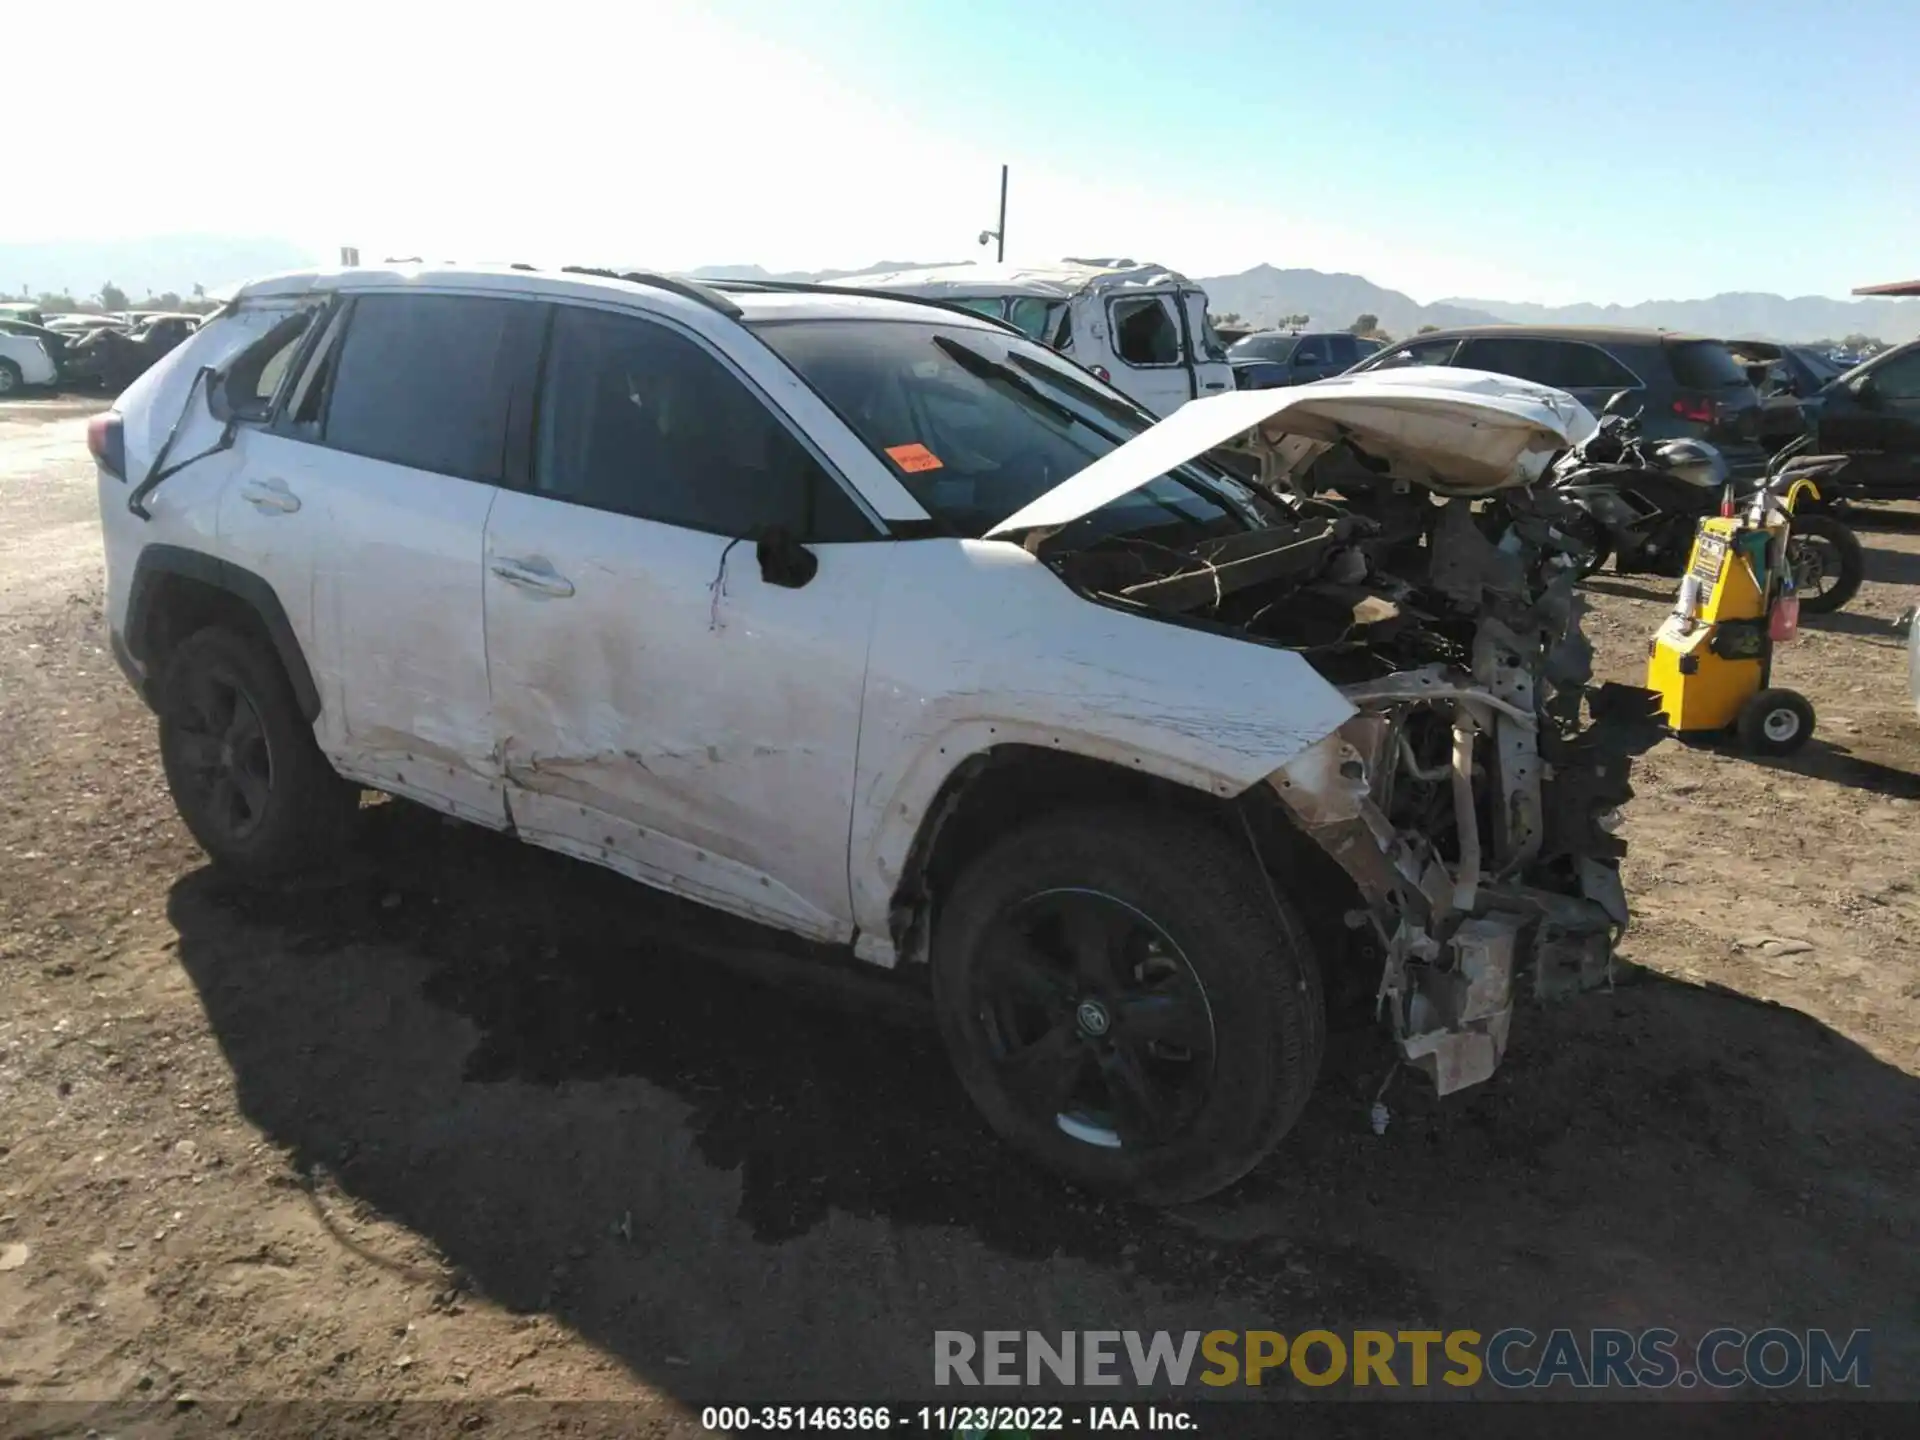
(977, 423)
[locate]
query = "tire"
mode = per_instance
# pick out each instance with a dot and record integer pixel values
(1833, 544)
(1775, 722)
(12, 382)
(246, 775)
(1227, 1033)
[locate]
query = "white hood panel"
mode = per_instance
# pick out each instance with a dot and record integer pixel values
(1458, 431)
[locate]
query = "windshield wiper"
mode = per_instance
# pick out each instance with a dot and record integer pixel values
(985, 367)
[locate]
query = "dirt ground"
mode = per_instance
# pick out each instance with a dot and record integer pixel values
(477, 1121)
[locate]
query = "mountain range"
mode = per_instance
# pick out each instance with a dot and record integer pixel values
(1264, 294)
(1260, 296)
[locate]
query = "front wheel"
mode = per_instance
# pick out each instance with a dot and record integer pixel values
(12, 382)
(1125, 1003)
(1828, 563)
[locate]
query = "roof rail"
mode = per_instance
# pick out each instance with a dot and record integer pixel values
(806, 287)
(686, 289)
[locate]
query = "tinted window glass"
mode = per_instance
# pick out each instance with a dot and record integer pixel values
(1509, 355)
(1899, 378)
(421, 381)
(1145, 332)
(1577, 366)
(976, 424)
(1345, 350)
(1421, 352)
(1312, 350)
(1705, 365)
(1263, 347)
(638, 419)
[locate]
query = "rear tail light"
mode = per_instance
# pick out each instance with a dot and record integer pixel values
(1697, 408)
(107, 441)
(1100, 372)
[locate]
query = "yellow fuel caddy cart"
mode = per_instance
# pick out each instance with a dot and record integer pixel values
(1711, 662)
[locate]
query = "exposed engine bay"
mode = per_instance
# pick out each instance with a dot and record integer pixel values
(1473, 797)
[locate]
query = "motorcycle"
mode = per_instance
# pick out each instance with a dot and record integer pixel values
(1640, 505)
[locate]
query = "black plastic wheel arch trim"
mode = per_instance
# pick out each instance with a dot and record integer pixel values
(159, 561)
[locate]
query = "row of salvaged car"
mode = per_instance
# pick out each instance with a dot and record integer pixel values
(1145, 330)
(109, 351)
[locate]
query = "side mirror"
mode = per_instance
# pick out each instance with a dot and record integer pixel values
(784, 561)
(1757, 374)
(1864, 389)
(1619, 403)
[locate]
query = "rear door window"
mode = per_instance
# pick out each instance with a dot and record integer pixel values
(1419, 352)
(424, 381)
(1704, 365)
(1145, 331)
(1344, 350)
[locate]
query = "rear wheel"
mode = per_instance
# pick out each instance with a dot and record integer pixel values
(1125, 1004)
(1775, 722)
(1828, 563)
(241, 761)
(12, 382)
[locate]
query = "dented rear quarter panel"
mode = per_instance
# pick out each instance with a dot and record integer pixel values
(977, 644)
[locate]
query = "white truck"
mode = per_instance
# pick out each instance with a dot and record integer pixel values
(1141, 328)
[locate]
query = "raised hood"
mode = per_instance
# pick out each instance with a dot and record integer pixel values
(1459, 432)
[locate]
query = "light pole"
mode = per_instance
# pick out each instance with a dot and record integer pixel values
(999, 236)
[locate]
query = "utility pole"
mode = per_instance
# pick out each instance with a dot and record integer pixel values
(999, 236)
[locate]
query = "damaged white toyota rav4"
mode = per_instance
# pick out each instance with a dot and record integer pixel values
(870, 620)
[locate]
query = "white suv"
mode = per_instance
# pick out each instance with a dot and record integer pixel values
(873, 621)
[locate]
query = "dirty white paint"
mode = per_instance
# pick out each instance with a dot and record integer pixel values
(977, 644)
(184, 510)
(1470, 431)
(705, 735)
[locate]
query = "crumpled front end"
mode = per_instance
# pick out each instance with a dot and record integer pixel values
(1474, 797)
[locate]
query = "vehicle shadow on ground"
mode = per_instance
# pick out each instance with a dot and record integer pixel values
(1875, 517)
(1852, 622)
(1890, 567)
(543, 1070)
(1824, 760)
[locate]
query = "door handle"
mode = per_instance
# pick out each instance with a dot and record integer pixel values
(1213, 385)
(536, 576)
(272, 496)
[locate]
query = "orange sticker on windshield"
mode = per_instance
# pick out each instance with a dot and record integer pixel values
(914, 458)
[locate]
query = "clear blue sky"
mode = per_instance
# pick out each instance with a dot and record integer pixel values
(1548, 151)
(1625, 151)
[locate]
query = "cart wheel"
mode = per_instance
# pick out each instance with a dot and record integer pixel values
(1775, 722)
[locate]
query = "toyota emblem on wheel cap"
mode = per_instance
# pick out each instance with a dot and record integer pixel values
(1093, 1018)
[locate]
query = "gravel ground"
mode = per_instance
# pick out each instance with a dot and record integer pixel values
(474, 1121)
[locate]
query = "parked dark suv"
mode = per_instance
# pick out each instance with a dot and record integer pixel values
(1268, 359)
(1873, 414)
(1688, 387)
